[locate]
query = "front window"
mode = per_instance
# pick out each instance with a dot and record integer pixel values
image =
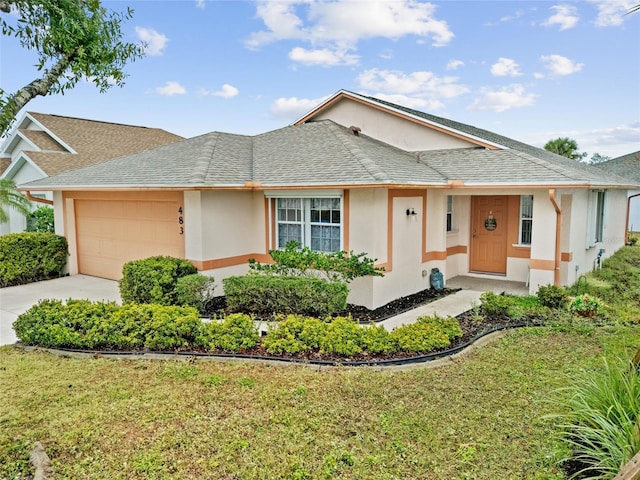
(526, 219)
(449, 213)
(596, 217)
(313, 222)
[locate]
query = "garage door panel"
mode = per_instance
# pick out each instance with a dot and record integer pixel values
(111, 233)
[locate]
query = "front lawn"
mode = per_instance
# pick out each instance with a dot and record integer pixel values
(479, 418)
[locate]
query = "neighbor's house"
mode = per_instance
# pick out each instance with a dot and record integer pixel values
(628, 166)
(41, 145)
(412, 190)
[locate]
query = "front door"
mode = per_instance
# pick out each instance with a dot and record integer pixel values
(488, 252)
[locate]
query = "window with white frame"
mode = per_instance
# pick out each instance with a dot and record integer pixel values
(313, 222)
(596, 217)
(526, 219)
(449, 213)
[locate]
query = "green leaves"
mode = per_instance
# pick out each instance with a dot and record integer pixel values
(335, 267)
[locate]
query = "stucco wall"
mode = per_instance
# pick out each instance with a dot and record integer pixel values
(394, 130)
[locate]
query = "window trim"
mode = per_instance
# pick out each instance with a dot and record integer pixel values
(449, 217)
(306, 223)
(596, 217)
(521, 220)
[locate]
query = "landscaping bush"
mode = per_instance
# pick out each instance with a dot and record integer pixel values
(585, 305)
(376, 340)
(41, 220)
(153, 279)
(343, 336)
(553, 296)
(236, 333)
(601, 426)
(84, 324)
(427, 334)
(294, 334)
(195, 291)
(53, 323)
(265, 295)
(495, 305)
(29, 257)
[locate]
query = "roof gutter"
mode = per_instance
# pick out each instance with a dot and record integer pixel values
(38, 200)
(626, 223)
(556, 266)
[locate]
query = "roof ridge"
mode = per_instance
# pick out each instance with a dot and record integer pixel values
(369, 165)
(203, 161)
(98, 121)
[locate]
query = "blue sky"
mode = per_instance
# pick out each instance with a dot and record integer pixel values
(532, 71)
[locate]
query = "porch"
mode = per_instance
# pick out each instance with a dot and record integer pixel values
(479, 284)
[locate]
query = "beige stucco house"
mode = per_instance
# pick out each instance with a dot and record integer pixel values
(40, 145)
(628, 166)
(412, 190)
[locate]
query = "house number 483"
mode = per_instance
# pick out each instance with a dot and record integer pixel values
(180, 221)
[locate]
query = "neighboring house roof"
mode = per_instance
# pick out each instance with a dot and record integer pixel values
(627, 166)
(315, 154)
(67, 143)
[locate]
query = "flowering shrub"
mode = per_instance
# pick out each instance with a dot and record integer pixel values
(585, 305)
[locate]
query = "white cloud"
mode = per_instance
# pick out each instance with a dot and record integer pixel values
(558, 65)
(454, 64)
(512, 96)
(565, 17)
(331, 23)
(292, 108)
(417, 84)
(386, 54)
(324, 57)
(155, 42)
(227, 91)
(170, 89)
(505, 67)
(611, 13)
(200, 4)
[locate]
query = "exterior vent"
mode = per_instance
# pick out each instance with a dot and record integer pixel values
(355, 130)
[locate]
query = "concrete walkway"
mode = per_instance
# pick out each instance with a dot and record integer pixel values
(18, 299)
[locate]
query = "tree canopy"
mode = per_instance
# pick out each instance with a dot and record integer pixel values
(11, 198)
(567, 147)
(74, 40)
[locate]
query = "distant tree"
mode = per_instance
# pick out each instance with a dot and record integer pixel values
(597, 158)
(74, 39)
(11, 198)
(567, 147)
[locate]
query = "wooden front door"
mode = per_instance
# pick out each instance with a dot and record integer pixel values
(489, 234)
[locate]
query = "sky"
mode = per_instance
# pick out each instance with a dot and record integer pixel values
(529, 70)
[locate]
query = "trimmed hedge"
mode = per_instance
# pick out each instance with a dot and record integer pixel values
(266, 295)
(153, 279)
(30, 257)
(107, 326)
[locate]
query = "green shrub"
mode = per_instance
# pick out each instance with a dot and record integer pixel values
(29, 257)
(493, 305)
(41, 220)
(235, 333)
(420, 337)
(553, 296)
(376, 340)
(288, 335)
(293, 261)
(265, 295)
(601, 426)
(153, 279)
(585, 305)
(343, 336)
(53, 323)
(99, 325)
(196, 291)
(450, 326)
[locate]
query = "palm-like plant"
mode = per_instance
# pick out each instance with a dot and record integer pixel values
(11, 198)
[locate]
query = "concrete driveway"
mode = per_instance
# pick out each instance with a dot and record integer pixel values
(18, 299)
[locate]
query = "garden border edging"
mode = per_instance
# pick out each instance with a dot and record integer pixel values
(432, 360)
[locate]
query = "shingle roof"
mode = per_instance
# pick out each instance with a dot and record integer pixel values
(320, 153)
(627, 166)
(93, 141)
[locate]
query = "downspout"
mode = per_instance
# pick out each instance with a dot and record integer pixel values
(556, 267)
(38, 200)
(626, 223)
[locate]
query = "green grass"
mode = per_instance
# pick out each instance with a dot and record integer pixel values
(479, 418)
